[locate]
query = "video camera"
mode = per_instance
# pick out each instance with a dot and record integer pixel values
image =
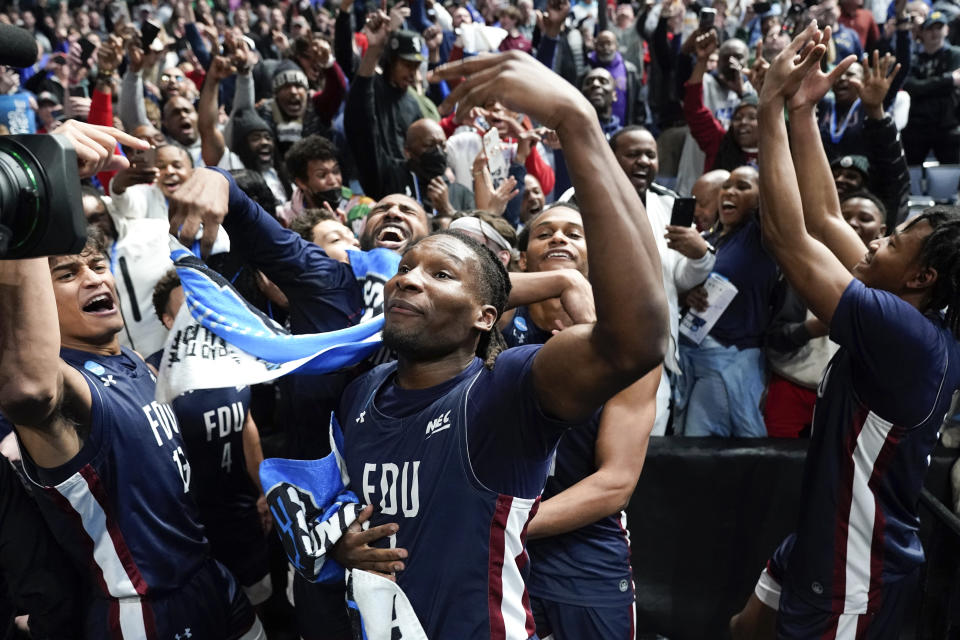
(41, 210)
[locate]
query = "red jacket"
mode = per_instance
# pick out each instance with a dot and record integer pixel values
(101, 112)
(704, 127)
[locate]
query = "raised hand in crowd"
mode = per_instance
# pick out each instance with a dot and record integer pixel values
(695, 39)
(525, 142)
(109, 55)
(439, 195)
(878, 75)
(398, 15)
(551, 21)
(134, 54)
(487, 197)
(792, 80)
(221, 67)
(132, 175)
(378, 28)
(704, 45)
(758, 70)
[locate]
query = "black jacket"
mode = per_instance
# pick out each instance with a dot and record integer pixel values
(934, 98)
(375, 121)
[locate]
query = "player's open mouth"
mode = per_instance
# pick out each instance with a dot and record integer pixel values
(391, 237)
(100, 305)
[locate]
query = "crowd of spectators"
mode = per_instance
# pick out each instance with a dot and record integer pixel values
(327, 115)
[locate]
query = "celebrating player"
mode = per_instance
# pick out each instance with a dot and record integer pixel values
(107, 460)
(849, 568)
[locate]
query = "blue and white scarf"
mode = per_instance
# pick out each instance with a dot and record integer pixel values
(220, 340)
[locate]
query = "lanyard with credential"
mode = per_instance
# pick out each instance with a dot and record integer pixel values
(835, 135)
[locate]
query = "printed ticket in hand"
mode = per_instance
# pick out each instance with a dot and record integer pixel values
(720, 293)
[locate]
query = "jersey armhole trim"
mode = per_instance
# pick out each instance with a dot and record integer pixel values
(95, 437)
(465, 441)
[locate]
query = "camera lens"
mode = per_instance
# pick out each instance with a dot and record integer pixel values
(20, 195)
(41, 211)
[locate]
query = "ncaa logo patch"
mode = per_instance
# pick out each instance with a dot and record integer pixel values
(94, 367)
(624, 585)
(520, 323)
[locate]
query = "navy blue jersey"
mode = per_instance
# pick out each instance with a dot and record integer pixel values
(879, 408)
(589, 566)
(121, 507)
(522, 330)
(211, 421)
(439, 462)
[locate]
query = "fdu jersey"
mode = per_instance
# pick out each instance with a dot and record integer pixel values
(879, 409)
(211, 422)
(373, 269)
(465, 574)
(121, 507)
(522, 330)
(589, 566)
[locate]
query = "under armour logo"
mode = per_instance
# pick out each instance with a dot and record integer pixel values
(186, 634)
(360, 419)
(110, 382)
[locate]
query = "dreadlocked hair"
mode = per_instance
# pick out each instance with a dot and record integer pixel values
(941, 251)
(494, 290)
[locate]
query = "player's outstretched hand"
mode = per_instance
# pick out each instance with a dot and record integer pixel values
(94, 145)
(878, 75)
(518, 81)
(793, 64)
(200, 202)
(353, 550)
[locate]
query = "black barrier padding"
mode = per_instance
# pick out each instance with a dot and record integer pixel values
(708, 513)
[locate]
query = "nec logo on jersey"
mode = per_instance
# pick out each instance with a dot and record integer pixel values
(438, 424)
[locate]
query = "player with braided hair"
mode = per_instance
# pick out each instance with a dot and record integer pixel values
(495, 288)
(849, 569)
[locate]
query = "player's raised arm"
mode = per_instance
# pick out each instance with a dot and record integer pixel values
(817, 275)
(36, 387)
(35, 384)
(821, 204)
(582, 367)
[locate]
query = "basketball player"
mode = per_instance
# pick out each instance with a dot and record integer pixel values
(105, 459)
(452, 448)
(581, 583)
(223, 446)
(849, 569)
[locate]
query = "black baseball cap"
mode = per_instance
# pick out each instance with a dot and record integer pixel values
(407, 45)
(935, 17)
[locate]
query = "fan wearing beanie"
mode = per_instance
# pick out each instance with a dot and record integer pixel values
(289, 113)
(253, 141)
